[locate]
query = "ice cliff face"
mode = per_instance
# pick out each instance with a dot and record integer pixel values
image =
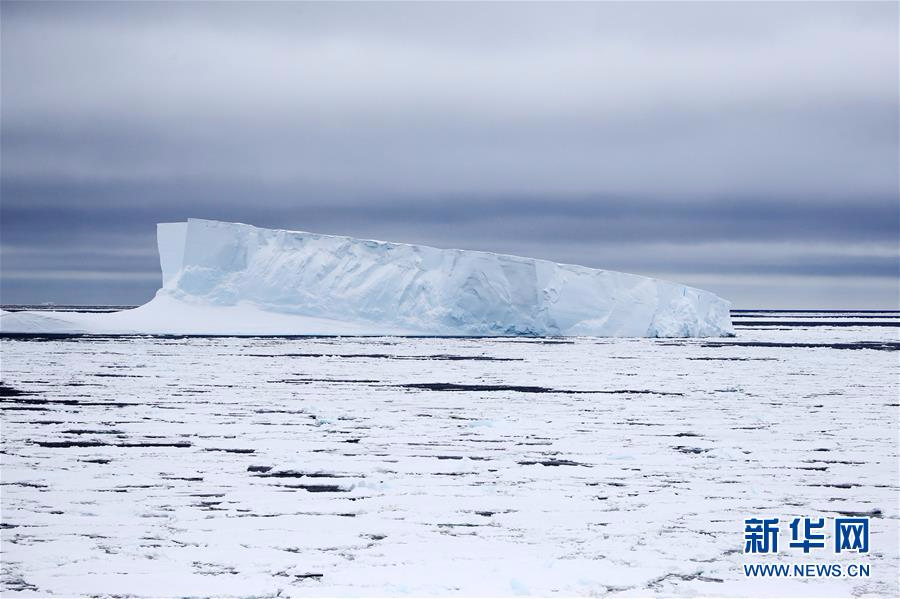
(383, 287)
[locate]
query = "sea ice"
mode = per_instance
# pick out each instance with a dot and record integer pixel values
(384, 466)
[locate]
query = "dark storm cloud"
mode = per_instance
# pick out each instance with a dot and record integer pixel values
(698, 140)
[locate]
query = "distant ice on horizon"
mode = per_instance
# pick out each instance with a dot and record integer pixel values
(230, 278)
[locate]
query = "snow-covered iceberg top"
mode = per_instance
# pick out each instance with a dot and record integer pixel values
(229, 278)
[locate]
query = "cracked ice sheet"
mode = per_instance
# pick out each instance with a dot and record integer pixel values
(162, 467)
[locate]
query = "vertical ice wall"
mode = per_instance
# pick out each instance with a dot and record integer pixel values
(170, 241)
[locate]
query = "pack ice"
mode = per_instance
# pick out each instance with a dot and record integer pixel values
(230, 278)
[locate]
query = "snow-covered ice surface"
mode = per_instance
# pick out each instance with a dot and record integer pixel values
(497, 466)
(231, 278)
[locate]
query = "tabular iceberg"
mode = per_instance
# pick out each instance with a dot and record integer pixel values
(229, 278)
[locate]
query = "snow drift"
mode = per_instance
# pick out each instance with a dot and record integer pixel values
(228, 278)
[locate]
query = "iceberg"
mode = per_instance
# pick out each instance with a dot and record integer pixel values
(222, 278)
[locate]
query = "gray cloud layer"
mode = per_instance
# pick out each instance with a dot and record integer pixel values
(742, 146)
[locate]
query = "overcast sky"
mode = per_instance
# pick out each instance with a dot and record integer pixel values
(747, 148)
